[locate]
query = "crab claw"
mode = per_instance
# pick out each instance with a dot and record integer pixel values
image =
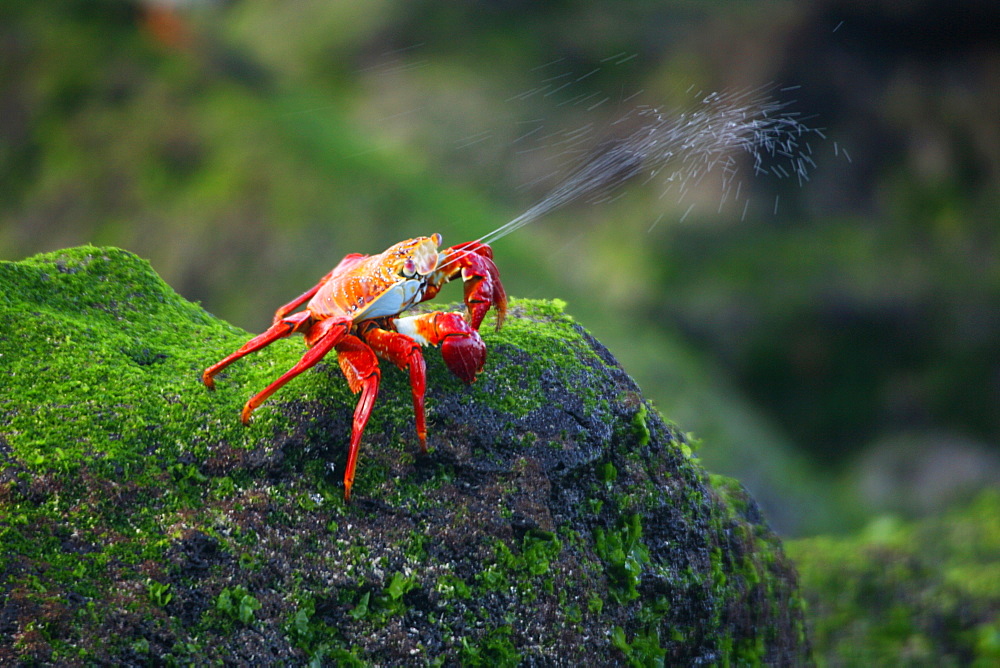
(462, 348)
(473, 261)
(465, 354)
(483, 289)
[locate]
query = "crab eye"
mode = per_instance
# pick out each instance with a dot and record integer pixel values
(409, 268)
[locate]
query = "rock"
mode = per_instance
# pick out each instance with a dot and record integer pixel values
(557, 519)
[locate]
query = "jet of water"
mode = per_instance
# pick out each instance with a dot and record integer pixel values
(682, 148)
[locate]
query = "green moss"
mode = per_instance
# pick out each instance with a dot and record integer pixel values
(926, 591)
(133, 498)
(538, 549)
(159, 593)
(731, 489)
(608, 474)
(624, 556)
(112, 396)
(376, 607)
(450, 586)
(496, 649)
(643, 649)
(639, 424)
(557, 345)
(746, 578)
(321, 643)
(236, 604)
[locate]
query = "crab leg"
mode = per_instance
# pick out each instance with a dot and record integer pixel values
(278, 330)
(405, 353)
(280, 314)
(360, 367)
(322, 339)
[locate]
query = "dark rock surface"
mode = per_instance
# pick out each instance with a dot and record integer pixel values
(557, 520)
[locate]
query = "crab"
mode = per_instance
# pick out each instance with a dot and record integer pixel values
(354, 310)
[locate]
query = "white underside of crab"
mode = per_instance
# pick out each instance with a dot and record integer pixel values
(408, 326)
(400, 297)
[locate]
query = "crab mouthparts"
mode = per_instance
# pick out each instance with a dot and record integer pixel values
(425, 257)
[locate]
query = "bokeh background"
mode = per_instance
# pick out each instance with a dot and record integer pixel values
(838, 352)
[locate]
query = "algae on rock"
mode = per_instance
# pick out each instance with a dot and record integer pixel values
(925, 592)
(557, 518)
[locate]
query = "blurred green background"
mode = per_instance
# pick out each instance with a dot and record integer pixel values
(837, 353)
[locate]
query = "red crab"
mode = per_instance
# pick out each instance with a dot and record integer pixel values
(354, 310)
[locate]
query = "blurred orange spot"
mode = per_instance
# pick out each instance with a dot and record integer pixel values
(166, 26)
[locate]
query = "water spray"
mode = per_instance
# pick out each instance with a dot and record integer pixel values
(678, 150)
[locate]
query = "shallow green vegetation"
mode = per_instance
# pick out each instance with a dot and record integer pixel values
(556, 515)
(624, 556)
(921, 593)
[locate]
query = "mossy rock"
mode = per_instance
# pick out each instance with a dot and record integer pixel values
(923, 593)
(557, 519)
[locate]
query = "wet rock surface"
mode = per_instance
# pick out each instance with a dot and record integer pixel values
(557, 519)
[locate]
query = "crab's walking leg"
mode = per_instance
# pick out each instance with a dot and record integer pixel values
(405, 353)
(280, 314)
(461, 346)
(322, 338)
(278, 330)
(360, 367)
